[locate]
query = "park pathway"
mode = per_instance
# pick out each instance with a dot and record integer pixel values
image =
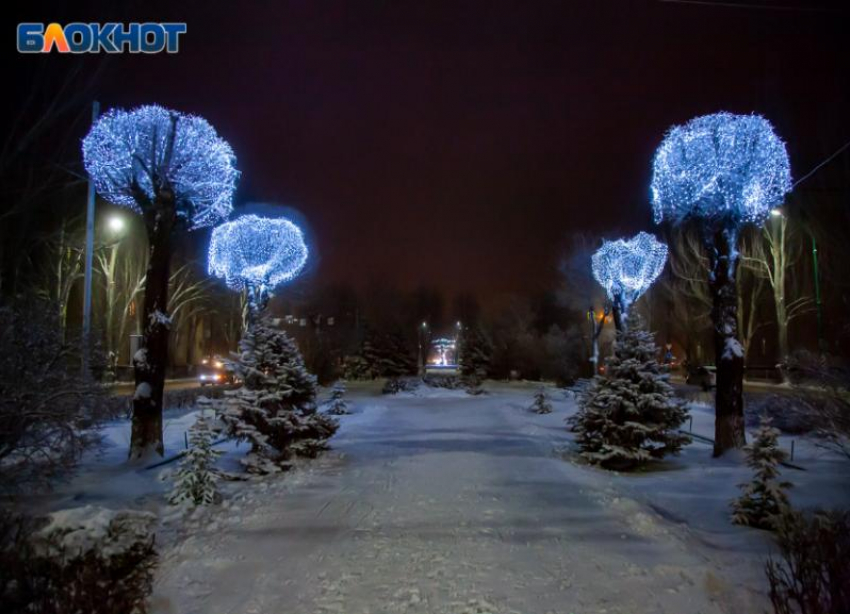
(445, 504)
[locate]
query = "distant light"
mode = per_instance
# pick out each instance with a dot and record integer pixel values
(458, 323)
(424, 325)
(115, 223)
(777, 212)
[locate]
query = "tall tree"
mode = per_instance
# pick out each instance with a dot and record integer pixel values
(626, 268)
(726, 171)
(176, 172)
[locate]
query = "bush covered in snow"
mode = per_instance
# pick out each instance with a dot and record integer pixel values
(48, 408)
(811, 575)
(826, 411)
(541, 404)
(394, 385)
(629, 415)
(86, 559)
(337, 405)
(763, 500)
(275, 408)
(196, 480)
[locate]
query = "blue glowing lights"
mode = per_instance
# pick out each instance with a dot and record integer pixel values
(627, 268)
(135, 157)
(257, 252)
(723, 168)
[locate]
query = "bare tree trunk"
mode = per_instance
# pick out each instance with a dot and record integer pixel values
(728, 352)
(618, 310)
(150, 368)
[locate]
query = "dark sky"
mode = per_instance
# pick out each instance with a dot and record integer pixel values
(456, 144)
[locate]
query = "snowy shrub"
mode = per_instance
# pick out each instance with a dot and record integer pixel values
(275, 408)
(826, 411)
(763, 500)
(629, 415)
(337, 405)
(811, 575)
(541, 404)
(87, 559)
(449, 382)
(394, 385)
(196, 479)
(47, 407)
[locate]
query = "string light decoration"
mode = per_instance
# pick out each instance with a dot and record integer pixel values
(257, 253)
(627, 268)
(135, 156)
(723, 168)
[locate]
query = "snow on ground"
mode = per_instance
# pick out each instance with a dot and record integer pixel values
(440, 502)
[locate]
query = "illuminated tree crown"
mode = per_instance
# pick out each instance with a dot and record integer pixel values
(627, 268)
(135, 156)
(257, 252)
(720, 167)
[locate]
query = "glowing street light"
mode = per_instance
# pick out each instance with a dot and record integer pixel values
(115, 223)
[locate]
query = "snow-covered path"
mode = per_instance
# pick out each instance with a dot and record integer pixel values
(449, 504)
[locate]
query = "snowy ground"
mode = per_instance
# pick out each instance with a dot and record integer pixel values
(442, 502)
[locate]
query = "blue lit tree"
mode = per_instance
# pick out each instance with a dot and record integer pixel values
(725, 171)
(275, 408)
(626, 269)
(176, 172)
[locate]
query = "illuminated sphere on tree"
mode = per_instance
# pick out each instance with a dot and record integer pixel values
(134, 156)
(724, 168)
(257, 253)
(626, 268)
(722, 171)
(175, 172)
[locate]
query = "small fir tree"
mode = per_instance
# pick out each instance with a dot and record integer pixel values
(337, 405)
(763, 500)
(541, 403)
(196, 481)
(629, 415)
(275, 408)
(475, 352)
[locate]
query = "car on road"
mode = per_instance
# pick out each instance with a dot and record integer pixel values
(211, 372)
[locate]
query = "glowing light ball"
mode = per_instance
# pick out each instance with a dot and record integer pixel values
(723, 168)
(627, 268)
(135, 156)
(257, 252)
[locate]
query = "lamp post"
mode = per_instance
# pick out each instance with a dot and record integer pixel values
(423, 330)
(115, 225)
(87, 282)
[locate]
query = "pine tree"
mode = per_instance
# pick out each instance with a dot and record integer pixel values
(629, 415)
(196, 479)
(475, 353)
(541, 403)
(275, 409)
(387, 355)
(763, 500)
(337, 405)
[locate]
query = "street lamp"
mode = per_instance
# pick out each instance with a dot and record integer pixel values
(115, 223)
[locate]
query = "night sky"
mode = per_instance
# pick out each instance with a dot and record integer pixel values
(457, 144)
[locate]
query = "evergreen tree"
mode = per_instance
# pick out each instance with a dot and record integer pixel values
(475, 353)
(763, 500)
(196, 479)
(629, 415)
(541, 403)
(275, 409)
(337, 405)
(388, 355)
